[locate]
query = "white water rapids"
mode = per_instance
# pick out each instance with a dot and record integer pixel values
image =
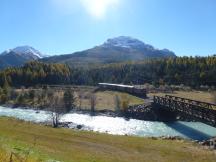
(118, 125)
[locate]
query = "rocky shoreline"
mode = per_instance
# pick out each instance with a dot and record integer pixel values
(141, 112)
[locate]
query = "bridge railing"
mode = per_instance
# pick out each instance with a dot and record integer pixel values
(194, 102)
(195, 109)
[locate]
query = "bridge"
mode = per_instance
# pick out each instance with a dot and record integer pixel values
(201, 111)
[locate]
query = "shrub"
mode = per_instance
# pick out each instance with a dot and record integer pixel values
(20, 99)
(125, 103)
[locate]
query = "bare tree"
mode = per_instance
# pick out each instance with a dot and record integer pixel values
(80, 96)
(69, 100)
(47, 95)
(214, 96)
(56, 109)
(93, 102)
(117, 104)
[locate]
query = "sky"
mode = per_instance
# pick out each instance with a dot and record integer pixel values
(187, 27)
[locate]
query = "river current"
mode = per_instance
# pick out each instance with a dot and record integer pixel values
(118, 125)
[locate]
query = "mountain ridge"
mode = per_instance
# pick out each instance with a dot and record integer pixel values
(117, 49)
(19, 56)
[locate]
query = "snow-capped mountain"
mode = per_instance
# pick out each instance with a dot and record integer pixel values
(18, 56)
(126, 42)
(25, 51)
(113, 50)
(117, 49)
(133, 43)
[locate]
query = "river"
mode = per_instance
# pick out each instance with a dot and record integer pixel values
(118, 125)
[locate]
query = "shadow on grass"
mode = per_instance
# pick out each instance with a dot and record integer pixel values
(188, 131)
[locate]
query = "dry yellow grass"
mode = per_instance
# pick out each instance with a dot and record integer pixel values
(194, 95)
(11, 156)
(106, 100)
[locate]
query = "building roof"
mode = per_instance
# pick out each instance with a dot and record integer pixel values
(116, 85)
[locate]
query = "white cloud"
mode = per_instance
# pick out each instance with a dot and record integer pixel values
(99, 8)
(96, 8)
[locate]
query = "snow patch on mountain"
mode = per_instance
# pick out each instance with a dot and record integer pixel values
(25, 51)
(126, 42)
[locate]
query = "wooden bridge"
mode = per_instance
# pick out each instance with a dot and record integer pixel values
(201, 111)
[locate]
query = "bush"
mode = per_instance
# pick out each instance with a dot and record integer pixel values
(3, 99)
(31, 94)
(20, 99)
(125, 103)
(13, 94)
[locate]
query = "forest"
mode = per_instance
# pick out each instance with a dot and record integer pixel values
(190, 71)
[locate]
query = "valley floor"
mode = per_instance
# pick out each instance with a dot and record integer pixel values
(105, 100)
(41, 143)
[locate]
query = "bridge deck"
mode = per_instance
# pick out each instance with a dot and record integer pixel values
(202, 111)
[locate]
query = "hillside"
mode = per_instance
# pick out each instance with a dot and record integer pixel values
(41, 143)
(119, 49)
(18, 56)
(189, 71)
(113, 50)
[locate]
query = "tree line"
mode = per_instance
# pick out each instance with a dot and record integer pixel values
(35, 73)
(190, 71)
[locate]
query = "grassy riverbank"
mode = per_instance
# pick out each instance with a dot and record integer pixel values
(41, 143)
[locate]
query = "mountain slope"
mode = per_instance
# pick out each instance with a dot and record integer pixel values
(113, 50)
(28, 52)
(18, 56)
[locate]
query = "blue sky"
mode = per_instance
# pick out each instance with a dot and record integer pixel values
(187, 27)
